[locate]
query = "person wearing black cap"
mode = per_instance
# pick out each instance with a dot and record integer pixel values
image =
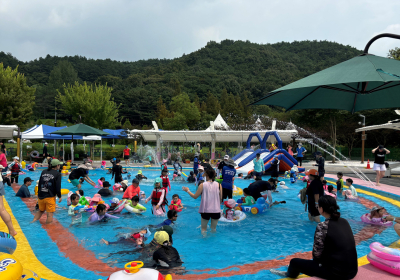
(105, 191)
(321, 165)
(23, 190)
(379, 163)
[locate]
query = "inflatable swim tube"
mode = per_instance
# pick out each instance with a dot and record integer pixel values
(130, 209)
(237, 191)
(366, 218)
(260, 207)
(35, 154)
(119, 208)
(64, 191)
(385, 253)
(386, 265)
(11, 268)
(8, 244)
(238, 213)
(133, 271)
(146, 166)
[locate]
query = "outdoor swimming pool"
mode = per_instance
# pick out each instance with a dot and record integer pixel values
(251, 246)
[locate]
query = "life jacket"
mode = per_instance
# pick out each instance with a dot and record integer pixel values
(174, 206)
(156, 196)
(165, 180)
(15, 168)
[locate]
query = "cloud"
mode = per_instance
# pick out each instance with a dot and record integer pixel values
(132, 30)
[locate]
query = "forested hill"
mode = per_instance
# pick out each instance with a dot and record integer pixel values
(236, 66)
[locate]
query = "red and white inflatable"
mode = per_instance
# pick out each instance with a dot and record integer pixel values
(133, 271)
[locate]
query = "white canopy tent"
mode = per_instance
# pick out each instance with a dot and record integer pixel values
(390, 125)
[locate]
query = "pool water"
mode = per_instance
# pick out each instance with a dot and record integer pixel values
(282, 231)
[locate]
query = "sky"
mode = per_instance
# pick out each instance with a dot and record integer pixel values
(128, 30)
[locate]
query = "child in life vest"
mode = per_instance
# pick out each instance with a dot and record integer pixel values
(158, 198)
(330, 192)
(100, 183)
(136, 238)
(165, 181)
(325, 185)
(228, 211)
(176, 203)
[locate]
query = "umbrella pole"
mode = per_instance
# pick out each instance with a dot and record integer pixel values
(63, 151)
(101, 150)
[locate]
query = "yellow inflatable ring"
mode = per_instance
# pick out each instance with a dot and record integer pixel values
(237, 191)
(12, 268)
(135, 268)
(64, 191)
(146, 165)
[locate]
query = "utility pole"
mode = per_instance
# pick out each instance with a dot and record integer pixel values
(363, 138)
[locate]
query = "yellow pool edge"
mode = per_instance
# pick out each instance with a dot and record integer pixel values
(363, 260)
(24, 252)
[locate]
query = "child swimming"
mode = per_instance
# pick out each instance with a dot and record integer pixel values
(74, 209)
(134, 203)
(191, 178)
(330, 191)
(176, 203)
(172, 217)
(142, 196)
(353, 193)
(100, 215)
(100, 183)
(137, 238)
(113, 204)
(140, 176)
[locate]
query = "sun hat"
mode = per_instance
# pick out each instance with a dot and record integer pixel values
(45, 143)
(125, 182)
(1, 166)
(282, 183)
(55, 162)
(226, 157)
(96, 198)
(114, 200)
(161, 237)
(231, 162)
(230, 203)
(106, 184)
(139, 172)
(312, 172)
(200, 167)
(17, 158)
(37, 181)
(375, 208)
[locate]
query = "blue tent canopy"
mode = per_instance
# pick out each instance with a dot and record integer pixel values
(115, 133)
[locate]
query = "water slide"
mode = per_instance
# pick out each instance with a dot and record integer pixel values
(242, 155)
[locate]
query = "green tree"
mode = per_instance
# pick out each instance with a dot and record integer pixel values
(162, 112)
(93, 104)
(213, 106)
(127, 124)
(62, 73)
(186, 114)
(16, 98)
(394, 53)
(196, 101)
(224, 100)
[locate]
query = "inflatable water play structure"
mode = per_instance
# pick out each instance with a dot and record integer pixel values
(134, 271)
(244, 159)
(261, 206)
(384, 258)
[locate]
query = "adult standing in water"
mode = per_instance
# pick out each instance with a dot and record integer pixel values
(314, 192)
(211, 198)
(300, 151)
(117, 171)
(334, 251)
(3, 212)
(379, 164)
(321, 165)
(258, 166)
(126, 154)
(275, 167)
(228, 173)
(49, 188)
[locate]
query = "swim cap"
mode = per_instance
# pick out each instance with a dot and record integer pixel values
(139, 172)
(161, 237)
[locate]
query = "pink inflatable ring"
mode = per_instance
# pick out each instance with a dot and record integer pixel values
(384, 258)
(366, 218)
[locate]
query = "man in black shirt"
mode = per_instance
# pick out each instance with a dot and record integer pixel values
(222, 164)
(49, 188)
(314, 192)
(82, 171)
(105, 191)
(379, 163)
(260, 186)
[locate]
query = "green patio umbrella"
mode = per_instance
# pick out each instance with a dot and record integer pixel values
(83, 130)
(362, 83)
